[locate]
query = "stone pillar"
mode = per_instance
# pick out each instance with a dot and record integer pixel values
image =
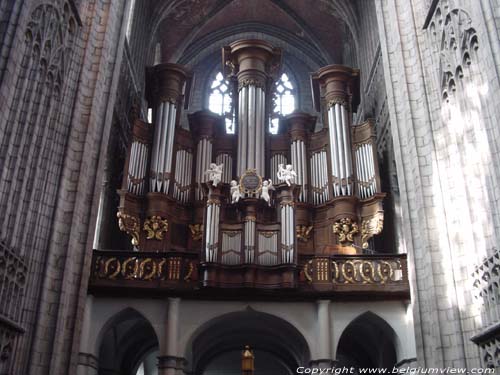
(323, 327)
(87, 360)
(340, 86)
(168, 83)
(170, 363)
(254, 62)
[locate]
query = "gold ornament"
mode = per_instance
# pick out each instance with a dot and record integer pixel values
(370, 227)
(196, 231)
(303, 232)
(130, 225)
(155, 226)
(345, 228)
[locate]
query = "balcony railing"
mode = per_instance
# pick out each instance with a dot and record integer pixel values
(321, 275)
(358, 273)
(143, 269)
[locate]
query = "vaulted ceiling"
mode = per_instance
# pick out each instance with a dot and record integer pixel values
(323, 25)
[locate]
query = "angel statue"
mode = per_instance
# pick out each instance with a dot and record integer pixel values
(286, 173)
(235, 192)
(215, 173)
(267, 185)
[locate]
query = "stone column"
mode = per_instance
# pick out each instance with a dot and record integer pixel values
(340, 89)
(168, 83)
(87, 360)
(254, 62)
(323, 327)
(169, 363)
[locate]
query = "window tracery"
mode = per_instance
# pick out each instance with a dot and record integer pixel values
(283, 101)
(220, 101)
(457, 43)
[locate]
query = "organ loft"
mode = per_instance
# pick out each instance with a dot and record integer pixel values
(291, 209)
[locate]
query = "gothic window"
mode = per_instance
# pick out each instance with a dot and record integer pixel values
(456, 41)
(220, 100)
(283, 101)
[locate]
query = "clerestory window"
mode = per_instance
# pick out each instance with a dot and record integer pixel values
(220, 101)
(283, 101)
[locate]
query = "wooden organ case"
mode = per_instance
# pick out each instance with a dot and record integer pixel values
(242, 227)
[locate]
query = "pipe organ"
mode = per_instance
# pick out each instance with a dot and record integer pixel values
(261, 203)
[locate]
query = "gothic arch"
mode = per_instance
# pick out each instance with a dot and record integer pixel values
(368, 341)
(232, 331)
(124, 341)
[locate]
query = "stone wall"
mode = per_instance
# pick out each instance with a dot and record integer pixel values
(440, 80)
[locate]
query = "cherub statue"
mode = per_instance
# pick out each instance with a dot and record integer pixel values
(235, 192)
(286, 173)
(267, 185)
(215, 173)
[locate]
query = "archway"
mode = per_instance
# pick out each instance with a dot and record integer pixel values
(216, 348)
(367, 342)
(129, 345)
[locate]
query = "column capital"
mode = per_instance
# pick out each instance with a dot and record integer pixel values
(167, 82)
(253, 61)
(340, 84)
(204, 124)
(300, 125)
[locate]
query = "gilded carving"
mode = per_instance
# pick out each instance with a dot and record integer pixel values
(360, 271)
(303, 232)
(196, 231)
(250, 182)
(130, 225)
(370, 227)
(135, 268)
(337, 100)
(250, 82)
(345, 228)
(267, 234)
(155, 226)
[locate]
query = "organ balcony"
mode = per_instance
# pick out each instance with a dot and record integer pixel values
(290, 213)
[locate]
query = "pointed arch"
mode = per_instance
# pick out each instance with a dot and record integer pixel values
(368, 341)
(124, 341)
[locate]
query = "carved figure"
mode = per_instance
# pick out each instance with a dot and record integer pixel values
(286, 174)
(215, 173)
(267, 185)
(235, 192)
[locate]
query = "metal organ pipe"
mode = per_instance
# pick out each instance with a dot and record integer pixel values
(138, 159)
(251, 129)
(347, 148)
(227, 171)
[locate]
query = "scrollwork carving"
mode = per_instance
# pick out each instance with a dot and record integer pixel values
(196, 231)
(130, 225)
(345, 229)
(155, 226)
(370, 227)
(303, 232)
